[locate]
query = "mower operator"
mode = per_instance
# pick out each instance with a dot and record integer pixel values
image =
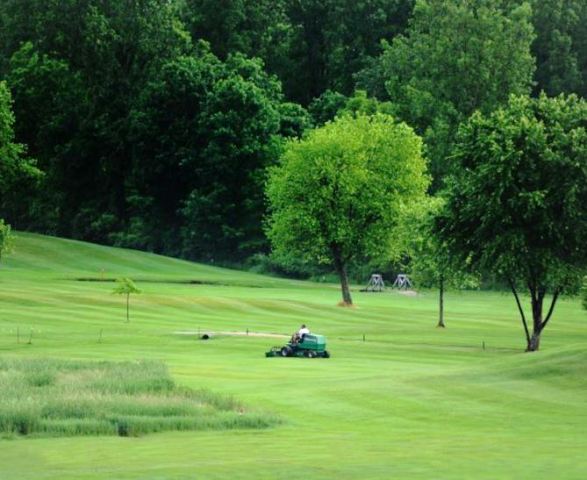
(299, 335)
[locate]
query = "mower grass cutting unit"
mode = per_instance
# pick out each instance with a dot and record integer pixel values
(310, 346)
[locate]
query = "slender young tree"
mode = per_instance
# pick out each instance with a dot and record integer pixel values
(518, 205)
(428, 259)
(338, 194)
(125, 286)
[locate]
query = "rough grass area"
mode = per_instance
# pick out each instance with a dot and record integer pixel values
(43, 397)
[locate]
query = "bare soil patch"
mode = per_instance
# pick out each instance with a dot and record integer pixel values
(232, 334)
(408, 293)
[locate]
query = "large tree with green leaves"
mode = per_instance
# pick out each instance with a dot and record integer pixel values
(339, 194)
(51, 109)
(456, 57)
(204, 131)
(238, 128)
(18, 174)
(256, 28)
(517, 207)
(167, 149)
(332, 40)
(560, 47)
(6, 238)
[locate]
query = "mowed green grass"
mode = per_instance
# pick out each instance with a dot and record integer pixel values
(411, 401)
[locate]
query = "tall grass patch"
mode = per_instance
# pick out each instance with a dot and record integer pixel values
(44, 397)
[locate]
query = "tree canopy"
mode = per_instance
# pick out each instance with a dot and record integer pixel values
(559, 48)
(204, 131)
(456, 57)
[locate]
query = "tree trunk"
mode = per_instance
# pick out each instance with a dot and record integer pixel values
(127, 307)
(537, 298)
(521, 310)
(537, 295)
(534, 342)
(340, 266)
(441, 303)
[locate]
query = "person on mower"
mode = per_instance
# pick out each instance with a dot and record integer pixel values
(299, 335)
(303, 331)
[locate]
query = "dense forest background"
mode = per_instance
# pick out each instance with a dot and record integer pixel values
(152, 122)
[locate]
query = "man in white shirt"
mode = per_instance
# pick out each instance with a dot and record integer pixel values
(302, 331)
(299, 335)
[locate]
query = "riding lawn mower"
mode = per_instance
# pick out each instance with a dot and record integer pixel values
(310, 346)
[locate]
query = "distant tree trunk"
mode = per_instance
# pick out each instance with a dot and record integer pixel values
(340, 267)
(441, 302)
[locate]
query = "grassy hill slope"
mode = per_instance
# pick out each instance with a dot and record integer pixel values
(71, 259)
(411, 401)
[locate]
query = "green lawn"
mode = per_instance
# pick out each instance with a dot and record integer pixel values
(412, 401)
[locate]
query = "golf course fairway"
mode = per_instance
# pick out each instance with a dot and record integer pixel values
(398, 399)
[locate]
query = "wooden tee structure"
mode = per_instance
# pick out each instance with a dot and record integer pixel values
(376, 284)
(402, 282)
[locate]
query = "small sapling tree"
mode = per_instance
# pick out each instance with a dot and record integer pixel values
(125, 286)
(517, 206)
(431, 263)
(339, 193)
(6, 239)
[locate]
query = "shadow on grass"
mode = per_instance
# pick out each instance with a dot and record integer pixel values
(173, 282)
